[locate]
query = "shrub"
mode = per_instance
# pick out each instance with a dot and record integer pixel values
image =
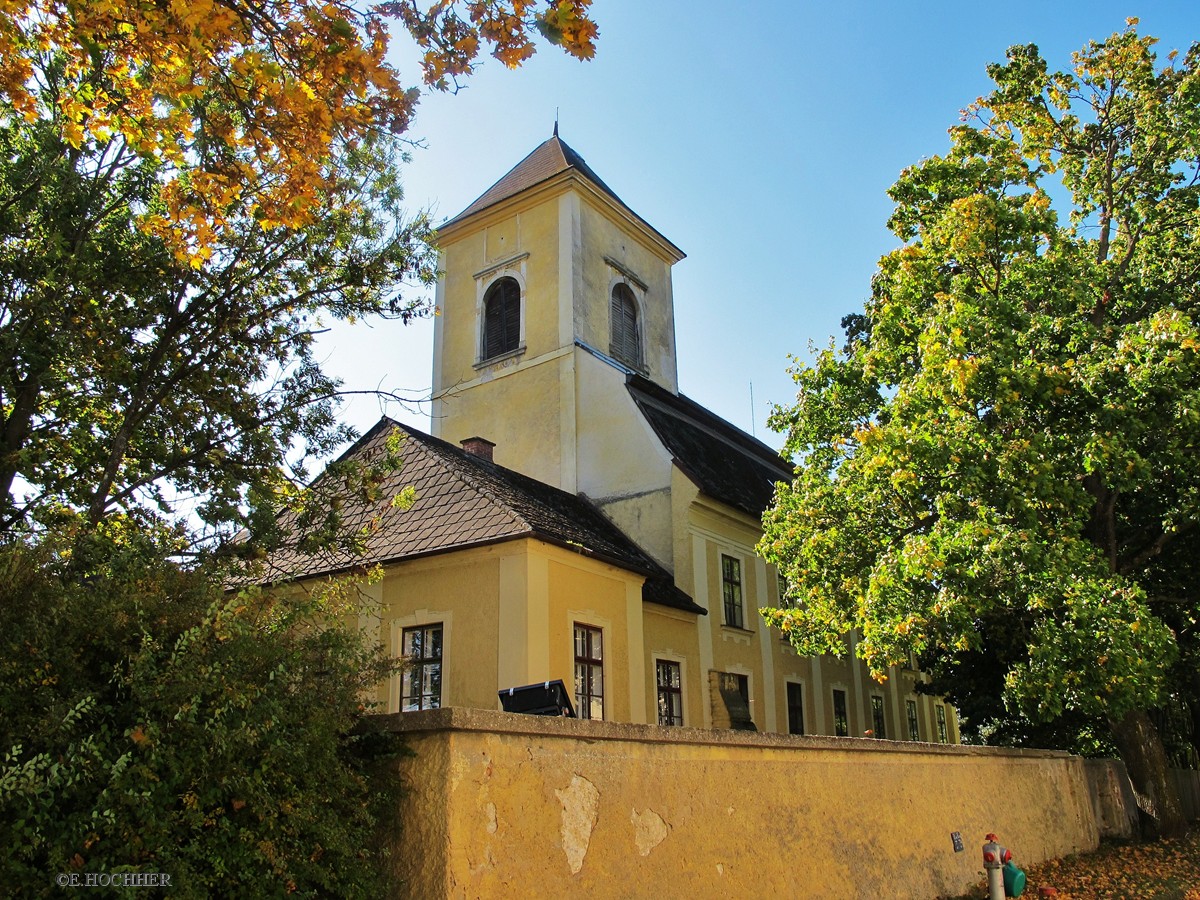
(153, 722)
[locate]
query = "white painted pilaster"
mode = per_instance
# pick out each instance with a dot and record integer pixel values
(703, 623)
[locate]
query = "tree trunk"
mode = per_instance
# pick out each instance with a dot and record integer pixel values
(1142, 752)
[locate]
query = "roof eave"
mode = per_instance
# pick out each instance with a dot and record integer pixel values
(560, 182)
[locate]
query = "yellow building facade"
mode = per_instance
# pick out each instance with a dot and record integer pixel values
(577, 518)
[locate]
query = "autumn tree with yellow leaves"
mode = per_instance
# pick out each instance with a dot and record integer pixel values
(188, 187)
(188, 190)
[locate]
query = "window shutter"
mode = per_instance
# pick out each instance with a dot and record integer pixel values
(625, 344)
(501, 318)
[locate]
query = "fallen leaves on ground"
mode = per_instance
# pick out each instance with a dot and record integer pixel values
(1159, 870)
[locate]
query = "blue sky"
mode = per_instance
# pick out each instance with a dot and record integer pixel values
(760, 138)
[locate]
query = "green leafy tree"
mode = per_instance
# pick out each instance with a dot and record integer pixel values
(1002, 459)
(133, 378)
(155, 723)
(187, 192)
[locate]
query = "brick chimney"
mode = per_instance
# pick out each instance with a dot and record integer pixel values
(478, 446)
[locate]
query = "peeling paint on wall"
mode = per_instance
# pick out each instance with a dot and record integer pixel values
(490, 809)
(649, 830)
(580, 807)
(613, 779)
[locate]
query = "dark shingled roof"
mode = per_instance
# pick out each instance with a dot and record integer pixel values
(720, 459)
(465, 501)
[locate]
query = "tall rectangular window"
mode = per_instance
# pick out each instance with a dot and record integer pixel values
(589, 672)
(940, 711)
(878, 721)
(914, 729)
(743, 687)
(670, 693)
(795, 706)
(731, 590)
(421, 683)
(841, 721)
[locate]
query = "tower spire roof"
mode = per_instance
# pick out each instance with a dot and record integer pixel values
(548, 159)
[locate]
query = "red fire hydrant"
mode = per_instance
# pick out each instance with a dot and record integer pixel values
(994, 858)
(1004, 878)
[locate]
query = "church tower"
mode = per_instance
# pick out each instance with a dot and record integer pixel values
(554, 294)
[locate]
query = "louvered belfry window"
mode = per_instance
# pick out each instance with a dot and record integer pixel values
(501, 318)
(626, 343)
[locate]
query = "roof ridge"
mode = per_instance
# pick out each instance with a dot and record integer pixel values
(434, 444)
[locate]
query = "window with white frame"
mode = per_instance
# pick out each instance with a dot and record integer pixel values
(421, 683)
(670, 692)
(589, 672)
(501, 318)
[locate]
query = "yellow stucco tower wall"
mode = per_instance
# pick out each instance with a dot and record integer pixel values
(564, 419)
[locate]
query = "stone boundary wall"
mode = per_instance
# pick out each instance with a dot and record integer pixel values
(502, 805)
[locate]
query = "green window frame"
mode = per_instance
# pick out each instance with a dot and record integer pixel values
(731, 591)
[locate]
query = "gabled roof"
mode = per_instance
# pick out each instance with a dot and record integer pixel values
(466, 501)
(548, 160)
(718, 457)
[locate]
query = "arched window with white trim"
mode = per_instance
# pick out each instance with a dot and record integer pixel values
(625, 342)
(501, 318)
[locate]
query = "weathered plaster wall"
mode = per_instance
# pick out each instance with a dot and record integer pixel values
(556, 808)
(673, 636)
(458, 591)
(614, 251)
(621, 464)
(507, 612)
(586, 592)
(477, 397)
